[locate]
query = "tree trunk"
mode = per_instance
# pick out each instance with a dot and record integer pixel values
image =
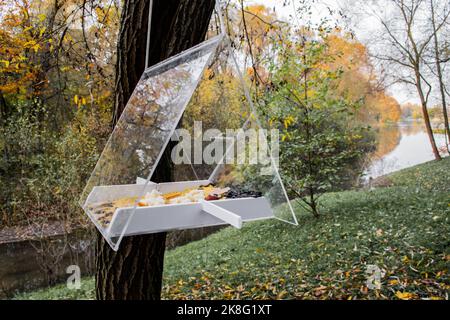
(426, 117)
(135, 271)
(417, 56)
(439, 74)
(4, 112)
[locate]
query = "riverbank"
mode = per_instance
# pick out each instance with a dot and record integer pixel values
(402, 230)
(34, 232)
(401, 145)
(28, 265)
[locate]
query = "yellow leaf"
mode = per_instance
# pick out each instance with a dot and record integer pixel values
(36, 47)
(405, 295)
(42, 17)
(25, 13)
(6, 63)
(29, 44)
(41, 31)
(75, 99)
(282, 294)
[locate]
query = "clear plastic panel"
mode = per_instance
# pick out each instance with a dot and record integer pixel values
(255, 169)
(217, 106)
(225, 144)
(139, 139)
(223, 163)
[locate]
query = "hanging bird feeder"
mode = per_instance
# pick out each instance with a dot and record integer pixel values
(200, 84)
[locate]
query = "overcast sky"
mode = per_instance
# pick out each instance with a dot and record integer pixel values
(362, 29)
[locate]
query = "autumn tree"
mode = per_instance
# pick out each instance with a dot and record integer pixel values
(49, 45)
(402, 46)
(258, 26)
(135, 271)
(322, 142)
(411, 110)
(55, 102)
(359, 80)
(436, 21)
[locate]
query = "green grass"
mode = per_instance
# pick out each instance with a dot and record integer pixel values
(404, 230)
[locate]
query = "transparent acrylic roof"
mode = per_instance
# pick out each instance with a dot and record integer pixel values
(200, 84)
(146, 125)
(247, 161)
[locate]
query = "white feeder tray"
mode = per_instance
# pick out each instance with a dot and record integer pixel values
(170, 217)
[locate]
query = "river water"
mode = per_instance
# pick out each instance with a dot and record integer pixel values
(400, 146)
(31, 264)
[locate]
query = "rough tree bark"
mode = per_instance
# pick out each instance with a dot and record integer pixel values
(135, 271)
(416, 56)
(405, 51)
(439, 72)
(426, 116)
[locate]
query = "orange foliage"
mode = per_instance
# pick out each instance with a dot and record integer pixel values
(384, 107)
(45, 53)
(358, 79)
(22, 40)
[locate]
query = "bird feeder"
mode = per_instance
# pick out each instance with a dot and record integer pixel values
(200, 84)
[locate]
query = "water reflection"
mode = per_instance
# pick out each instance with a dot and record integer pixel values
(401, 146)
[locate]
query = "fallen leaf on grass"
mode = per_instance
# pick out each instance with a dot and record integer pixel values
(405, 295)
(319, 291)
(282, 294)
(393, 282)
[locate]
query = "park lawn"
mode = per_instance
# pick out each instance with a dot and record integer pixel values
(403, 230)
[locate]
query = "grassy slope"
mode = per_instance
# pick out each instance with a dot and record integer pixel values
(403, 229)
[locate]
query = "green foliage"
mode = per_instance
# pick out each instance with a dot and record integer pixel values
(42, 172)
(328, 258)
(55, 103)
(324, 259)
(321, 140)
